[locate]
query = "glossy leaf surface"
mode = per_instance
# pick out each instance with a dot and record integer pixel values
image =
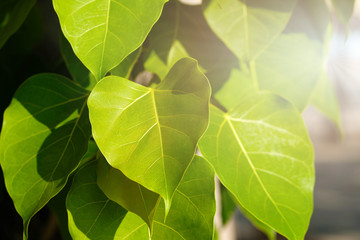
(100, 38)
(191, 215)
(151, 134)
(47, 118)
(129, 194)
(92, 215)
(248, 27)
(12, 15)
(261, 152)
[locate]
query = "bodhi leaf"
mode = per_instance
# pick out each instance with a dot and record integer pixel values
(130, 195)
(248, 27)
(344, 10)
(191, 215)
(277, 68)
(261, 152)
(78, 71)
(126, 66)
(12, 15)
(46, 119)
(150, 134)
(100, 38)
(92, 215)
(182, 31)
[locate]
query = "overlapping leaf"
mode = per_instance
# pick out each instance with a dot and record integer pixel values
(12, 15)
(182, 31)
(248, 27)
(45, 134)
(261, 152)
(92, 215)
(151, 134)
(130, 195)
(191, 215)
(103, 32)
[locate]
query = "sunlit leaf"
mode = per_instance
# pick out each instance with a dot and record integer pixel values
(130, 195)
(261, 152)
(182, 31)
(99, 36)
(290, 67)
(191, 215)
(12, 16)
(151, 134)
(45, 134)
(248, 27)
(93, 216)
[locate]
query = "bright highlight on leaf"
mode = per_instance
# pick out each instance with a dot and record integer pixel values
(103, 32)
(261, 152)
(151, 134)
(47, 118)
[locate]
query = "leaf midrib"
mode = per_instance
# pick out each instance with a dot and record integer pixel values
(256, 174)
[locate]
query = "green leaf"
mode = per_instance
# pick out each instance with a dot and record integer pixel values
(182, 31)
(12, 16)
(46, 119)
(126, 66)
(100, 38)
(92, 215)
(151, 134)
(344, 10)
(191, 215)
(90, 154)
(248, 27)
(78, 71)
(130, 195)
(228, 205)
(277, 68)
(261, 152)
(239, 85)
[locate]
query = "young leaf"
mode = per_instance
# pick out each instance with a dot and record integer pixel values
(100, 38)
(191, 215)
(182, 31)
(130, 195)
(151, 134)
(46, 119)
(261, 152)
(12, 16)
(92, 215)
(248, 27)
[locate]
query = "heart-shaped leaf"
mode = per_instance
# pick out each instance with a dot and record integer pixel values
(151, 134)
(261, 152)
(47, 118)
(100, 38)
